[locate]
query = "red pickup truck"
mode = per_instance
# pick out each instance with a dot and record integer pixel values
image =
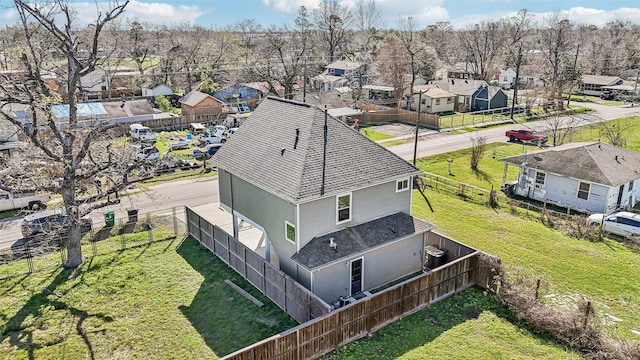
(527, 135)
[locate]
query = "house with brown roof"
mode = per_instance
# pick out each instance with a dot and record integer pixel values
(333, 206)
(588, 177)
(196, 103)
(593, 84)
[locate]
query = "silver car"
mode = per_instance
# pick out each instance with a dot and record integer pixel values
(50, 221)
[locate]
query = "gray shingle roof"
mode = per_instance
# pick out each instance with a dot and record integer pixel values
(359, 238)
(264, 153)
(594, 162)
(194, 97)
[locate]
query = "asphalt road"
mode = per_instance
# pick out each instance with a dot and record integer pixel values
(162, 198)
(159, 200)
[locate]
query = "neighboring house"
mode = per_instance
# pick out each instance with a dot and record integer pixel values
(264, 88)
(108, 78)
(150, 89)
(197, 103)
(340, 74)
(235, 92)
(507, 78)
(379, 94)
(334, 207)
(474, 95)
(488, 97)
(589, 177)
(593, 84)
(434, 99)
(463, 70)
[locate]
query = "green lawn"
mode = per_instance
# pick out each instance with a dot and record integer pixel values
(469, 325)
(374, 135)
(167, 300)
(604, 272)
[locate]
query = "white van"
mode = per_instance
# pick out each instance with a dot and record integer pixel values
(142, 133)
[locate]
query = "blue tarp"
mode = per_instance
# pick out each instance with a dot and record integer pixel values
(84, 109)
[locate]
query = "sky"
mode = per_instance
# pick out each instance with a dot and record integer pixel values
(218, 14)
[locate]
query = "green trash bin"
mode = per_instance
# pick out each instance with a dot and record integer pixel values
(109, 218)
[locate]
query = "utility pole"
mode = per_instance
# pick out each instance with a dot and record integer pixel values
(516, 81)
(415, 144)
(304, 79)
(635, 86)
(573, 74)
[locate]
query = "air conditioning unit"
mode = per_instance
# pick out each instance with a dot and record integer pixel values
(538, 186)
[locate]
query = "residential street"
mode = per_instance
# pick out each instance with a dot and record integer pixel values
(197, 192)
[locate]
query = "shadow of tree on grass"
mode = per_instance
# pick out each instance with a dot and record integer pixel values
(226, 320)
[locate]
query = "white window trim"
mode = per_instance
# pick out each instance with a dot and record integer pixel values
(338, 209)
(588, 192)
(400, 181)
(544, 178)
(286, 232)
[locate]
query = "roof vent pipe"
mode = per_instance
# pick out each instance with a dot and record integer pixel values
(324, 151)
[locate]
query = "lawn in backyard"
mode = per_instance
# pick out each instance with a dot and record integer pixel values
(165, 300)
(468, 325)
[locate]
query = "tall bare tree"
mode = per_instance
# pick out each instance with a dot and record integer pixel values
(368, 21)
(393, 65)
(66, 157)
(333, 21)
(556, 41)
(409, 37)
(484, 41)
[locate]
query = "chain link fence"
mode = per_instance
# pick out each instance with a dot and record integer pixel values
(114, 234)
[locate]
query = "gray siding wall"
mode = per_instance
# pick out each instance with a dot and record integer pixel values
(380, 266)
(319, 217)
(265, 209)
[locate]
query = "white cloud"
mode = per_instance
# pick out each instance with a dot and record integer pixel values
(290, 6)
(155, 13)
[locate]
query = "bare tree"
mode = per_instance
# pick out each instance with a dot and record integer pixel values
(484, 41)
(616, 133)
(333, 21)
(368, 20)
(66, 157)
(392, 66)
(408, 35)
(442, 37)
(284, 55)
(478, 147)
(556, 41)
(561, 127)
(138, 47)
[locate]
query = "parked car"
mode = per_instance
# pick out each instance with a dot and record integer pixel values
(142, 133)
(181, 143)
(31, 201)
(54, 222)
(149, 153)
(527, 135)
(621, 223)
(231, 132)
(197, 128)
(607, 95)
(212, 138)
(207, 151)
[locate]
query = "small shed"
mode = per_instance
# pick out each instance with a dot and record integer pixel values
(150, 89)
(197, 103)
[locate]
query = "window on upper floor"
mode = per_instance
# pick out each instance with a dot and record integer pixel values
(290, 231)
(402, 185)
(540, 177)
(343, 203)
(583, 190)
(630, 185)
(437, 101)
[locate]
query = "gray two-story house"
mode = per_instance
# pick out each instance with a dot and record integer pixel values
(333, 205)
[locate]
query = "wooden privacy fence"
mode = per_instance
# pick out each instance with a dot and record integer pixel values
(327, 333)
(294, 298)
(427, 120)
